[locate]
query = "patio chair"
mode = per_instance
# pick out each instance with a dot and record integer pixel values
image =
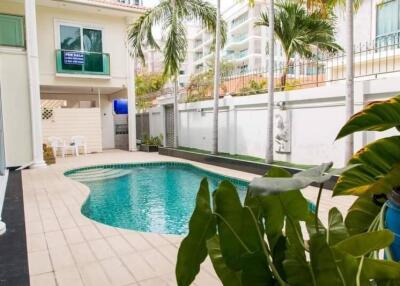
(56, 144)
(79, 141)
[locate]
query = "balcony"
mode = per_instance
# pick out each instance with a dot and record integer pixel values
(82, 63)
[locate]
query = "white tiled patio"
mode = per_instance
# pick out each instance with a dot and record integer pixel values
(66, 248)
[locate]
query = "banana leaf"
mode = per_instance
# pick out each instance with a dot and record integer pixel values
(377, 116)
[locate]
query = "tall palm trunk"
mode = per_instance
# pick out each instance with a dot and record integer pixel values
(269, 156)
(284, 74)
(349, 143)
(176, 113)
(217, 67)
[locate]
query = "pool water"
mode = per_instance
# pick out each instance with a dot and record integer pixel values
(151, 197)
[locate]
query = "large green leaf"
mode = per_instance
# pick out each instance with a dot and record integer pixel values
(364, 243)
(237, 230)
(381, 269)
(361, 214)
(377, 116)
(225, 274)
(295, 259)
(325, 269)
(270, 185)
(193, 250)
(377, 169)
(336, 230)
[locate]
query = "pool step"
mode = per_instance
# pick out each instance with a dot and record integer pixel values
(98, 174)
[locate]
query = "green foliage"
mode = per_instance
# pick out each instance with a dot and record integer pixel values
(378, 166)
(201, 84)
(261, 242)
(152, 140)
(300, 32)
(146, 84)
(172, 16)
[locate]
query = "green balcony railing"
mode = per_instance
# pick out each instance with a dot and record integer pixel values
(83, 63)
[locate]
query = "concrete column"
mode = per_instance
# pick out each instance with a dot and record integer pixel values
(34, 84)
(131, 70)
(232, 126)
(360, 138)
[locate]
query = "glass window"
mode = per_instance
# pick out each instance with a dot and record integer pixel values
(92, 40)
(387, 20)
(12, 31)
(70, 38)
(89, 41)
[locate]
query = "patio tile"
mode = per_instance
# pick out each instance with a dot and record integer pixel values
(50, 225)
(106, 230)
(55, 239)
(34, 227)
(93, 275)
(73, 235)
(36, 242)
(140, 269)
(46, 279)
(39, 262)
(119, 244)
(61, 257)
(101, 249)
(68, 277)
(90, 232)
(117, 272)
(66, 222)
(155, 239)
(162, 266)
(82, 253)
(137, 241)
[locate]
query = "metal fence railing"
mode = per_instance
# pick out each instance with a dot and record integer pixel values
(370, 60)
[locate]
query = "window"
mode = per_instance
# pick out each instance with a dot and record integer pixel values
(87, 41)
(12, 31)
(387, 21)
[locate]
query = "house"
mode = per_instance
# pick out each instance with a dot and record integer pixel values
(62, 62)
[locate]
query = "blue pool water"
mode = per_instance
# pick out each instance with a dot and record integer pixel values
(151, 197)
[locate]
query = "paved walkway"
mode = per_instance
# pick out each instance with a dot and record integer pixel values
(66, 248)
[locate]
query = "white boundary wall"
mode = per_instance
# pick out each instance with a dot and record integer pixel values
(317, 115)
(68, 122)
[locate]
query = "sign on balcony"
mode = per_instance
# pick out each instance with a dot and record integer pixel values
(73, 58)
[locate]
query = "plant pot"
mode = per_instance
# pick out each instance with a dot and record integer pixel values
(148, 148)
(392, 222)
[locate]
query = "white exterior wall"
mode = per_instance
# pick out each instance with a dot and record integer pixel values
(317, 115)
(68, 122)
(15, 107)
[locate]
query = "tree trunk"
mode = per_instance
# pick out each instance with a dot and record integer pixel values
(284, 74)
(176, 113)
(217, 67)
(269, 157)
(349, 143)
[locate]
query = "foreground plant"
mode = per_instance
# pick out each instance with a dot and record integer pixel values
(377, 176)
(274, 238)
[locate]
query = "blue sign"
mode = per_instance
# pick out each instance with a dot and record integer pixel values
(73, 58)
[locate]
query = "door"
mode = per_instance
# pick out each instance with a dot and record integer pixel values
(169, 125)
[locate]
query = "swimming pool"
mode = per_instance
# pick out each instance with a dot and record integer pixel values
(149, 197)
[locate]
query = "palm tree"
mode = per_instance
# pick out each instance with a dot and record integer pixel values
(300, 32)
(171, 15)
(217, 67)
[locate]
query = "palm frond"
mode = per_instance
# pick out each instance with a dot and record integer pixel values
(175, 46)
(140, 33)
(205, 13)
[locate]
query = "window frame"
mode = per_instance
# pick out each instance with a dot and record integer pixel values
(81, 26)
(22, 17)
(378, 6)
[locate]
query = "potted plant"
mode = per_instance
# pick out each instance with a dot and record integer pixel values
(275, 237)
(376, 179)
(150, 143)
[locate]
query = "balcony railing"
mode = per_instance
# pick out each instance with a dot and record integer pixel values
(82, 63)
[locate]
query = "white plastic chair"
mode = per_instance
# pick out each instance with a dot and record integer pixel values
(79, 141)
(56, 144)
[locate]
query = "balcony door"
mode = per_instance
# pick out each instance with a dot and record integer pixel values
(88, 45)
